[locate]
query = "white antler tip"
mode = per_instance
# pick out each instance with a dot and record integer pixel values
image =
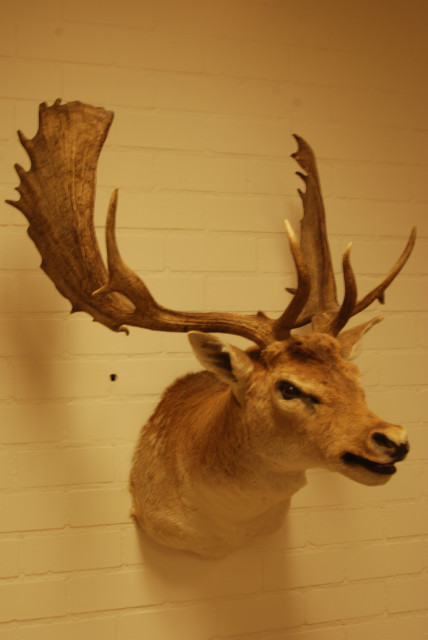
(290, 231)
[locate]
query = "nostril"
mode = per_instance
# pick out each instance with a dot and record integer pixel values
(383, 441)
(396, 451)
(401, 452)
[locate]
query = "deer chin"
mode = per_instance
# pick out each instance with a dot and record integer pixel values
(366, 471)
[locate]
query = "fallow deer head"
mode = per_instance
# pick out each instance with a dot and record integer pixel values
(225, 449)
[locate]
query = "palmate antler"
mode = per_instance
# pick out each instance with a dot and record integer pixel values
(322, 307)
(57, 197)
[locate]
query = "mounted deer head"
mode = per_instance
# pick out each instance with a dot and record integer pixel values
(225, 448)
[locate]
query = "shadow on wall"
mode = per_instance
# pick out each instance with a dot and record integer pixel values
(234, 581)
(33, 343)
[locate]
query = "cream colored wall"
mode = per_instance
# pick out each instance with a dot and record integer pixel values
(207, 95)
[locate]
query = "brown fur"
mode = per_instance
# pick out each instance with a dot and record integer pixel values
(224, 451)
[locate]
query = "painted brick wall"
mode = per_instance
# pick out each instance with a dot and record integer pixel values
(206, 96)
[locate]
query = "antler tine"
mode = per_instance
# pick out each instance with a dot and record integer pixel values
(287, 320)
(378, 293)
(346, 310)
(120, 277)
(350, 307)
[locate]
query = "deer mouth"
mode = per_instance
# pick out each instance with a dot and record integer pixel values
(376, 467)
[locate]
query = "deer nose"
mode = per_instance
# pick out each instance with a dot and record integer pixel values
(396, 451)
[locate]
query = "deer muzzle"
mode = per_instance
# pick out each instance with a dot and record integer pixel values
(395, 450)
(387, 444)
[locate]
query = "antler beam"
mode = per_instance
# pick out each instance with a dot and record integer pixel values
(322, 307)
(57, 196)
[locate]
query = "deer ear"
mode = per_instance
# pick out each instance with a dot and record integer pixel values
(230, 363)
(349, 339)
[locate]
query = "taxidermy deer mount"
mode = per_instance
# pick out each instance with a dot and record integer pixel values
(225, 449)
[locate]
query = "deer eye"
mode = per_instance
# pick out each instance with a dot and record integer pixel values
(288, 390)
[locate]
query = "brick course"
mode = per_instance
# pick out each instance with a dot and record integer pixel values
(206, 97)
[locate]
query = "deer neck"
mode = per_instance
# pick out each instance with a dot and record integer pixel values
(219, 434)
(224, 447)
